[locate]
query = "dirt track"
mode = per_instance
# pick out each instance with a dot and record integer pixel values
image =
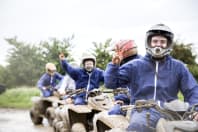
(12, 120)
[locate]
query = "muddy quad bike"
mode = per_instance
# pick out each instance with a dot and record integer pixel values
(60, 119)
(77, 118)
(184, 121)
(177, 119)
(104, 122)
(44, 107)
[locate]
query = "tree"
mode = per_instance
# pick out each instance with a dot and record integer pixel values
(3, 77)
(102, 54)
(184, 53)
(24, 63)
(27, 61)
(52, 48)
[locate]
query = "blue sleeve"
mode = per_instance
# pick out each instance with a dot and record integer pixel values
(101, 75)
(189, 86)
(58, 76)
(125, 75)
(73, 72)
(111, 76)
(40, 82)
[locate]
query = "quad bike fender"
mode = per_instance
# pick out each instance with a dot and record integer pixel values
(79, 108)
(176, 126)
(36, 99)
(112, 121)
(54, 99)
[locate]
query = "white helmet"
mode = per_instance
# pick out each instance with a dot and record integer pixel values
(161, 30)
(88, 57)
(50, 67)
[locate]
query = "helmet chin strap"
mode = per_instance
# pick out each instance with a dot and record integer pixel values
(158, 52)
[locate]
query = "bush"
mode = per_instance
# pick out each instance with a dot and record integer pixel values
(18, 97)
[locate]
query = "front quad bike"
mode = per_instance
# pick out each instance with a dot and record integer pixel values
(184, 124)
(44, 107)
(80, 117)
(178, 118)
(104, 122)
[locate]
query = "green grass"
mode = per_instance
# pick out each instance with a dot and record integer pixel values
(18, 97)
(180, 96)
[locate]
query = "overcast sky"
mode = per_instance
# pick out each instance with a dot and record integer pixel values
(94, 20)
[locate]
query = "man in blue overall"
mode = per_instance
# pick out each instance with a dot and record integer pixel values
(88, 77)
(157, 76)
(49, 80)
(127, 50)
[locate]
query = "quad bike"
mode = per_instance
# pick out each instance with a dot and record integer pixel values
(183, 123)
(104, 122)
(44, 107)
(80, 117)
(178, 119)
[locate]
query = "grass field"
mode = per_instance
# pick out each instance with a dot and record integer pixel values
(18, 97)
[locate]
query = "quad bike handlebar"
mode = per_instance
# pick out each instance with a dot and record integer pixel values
(94, 92)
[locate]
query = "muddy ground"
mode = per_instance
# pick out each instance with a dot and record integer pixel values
(14, 120)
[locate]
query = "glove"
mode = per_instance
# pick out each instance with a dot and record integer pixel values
(122, 97)
(116, 110)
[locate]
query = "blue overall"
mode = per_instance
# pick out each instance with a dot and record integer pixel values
(49, 81)
(150, 79)
(83, 79)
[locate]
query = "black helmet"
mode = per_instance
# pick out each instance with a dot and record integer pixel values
(161, 30)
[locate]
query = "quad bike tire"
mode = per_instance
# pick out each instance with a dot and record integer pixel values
(55, 121)
(59, 127)
(36, 119)
(50, 115)
(78, 127)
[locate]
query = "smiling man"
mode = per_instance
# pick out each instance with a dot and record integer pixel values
(157, 77)
(87, 76)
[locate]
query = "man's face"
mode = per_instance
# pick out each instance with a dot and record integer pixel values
(158, 41)
(51, 72)
(89, 65)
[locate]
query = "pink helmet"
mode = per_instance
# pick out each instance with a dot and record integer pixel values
(126, 48)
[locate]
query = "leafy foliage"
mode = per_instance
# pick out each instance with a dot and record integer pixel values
(102, 54)
(194, 70)
(184, 52)
(24, 63)
(27, 61)
(52, 48)
(3, 76)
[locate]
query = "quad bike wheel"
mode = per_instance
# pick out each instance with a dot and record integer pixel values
(59, 127)
(55, 121)
(78, 127)
(34, 115)
(50, 115)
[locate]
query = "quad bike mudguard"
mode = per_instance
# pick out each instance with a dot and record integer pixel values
(103, 121)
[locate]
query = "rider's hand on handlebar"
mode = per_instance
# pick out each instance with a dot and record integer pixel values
(120, 102)
(61, 56)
